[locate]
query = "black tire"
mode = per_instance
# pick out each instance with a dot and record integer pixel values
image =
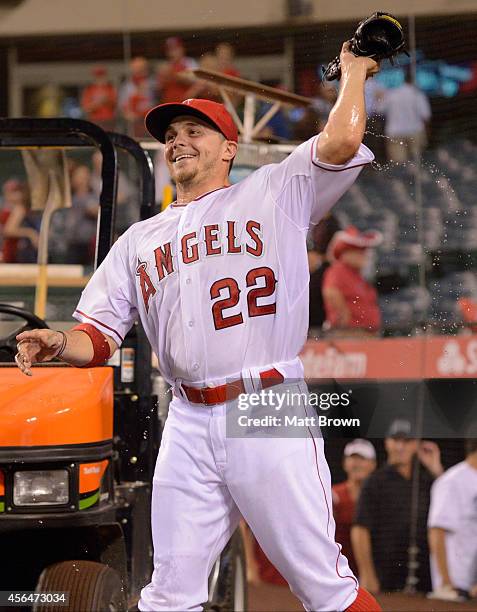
(228, 588)
(92, 587)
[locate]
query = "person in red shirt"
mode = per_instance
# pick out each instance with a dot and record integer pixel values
(359, 461)
(351, 303)
(206, 89)
(20, 225)
(224, 52)
(219, 61)
(10, 190)
(136, 96)
(99, 99)
(173, 86)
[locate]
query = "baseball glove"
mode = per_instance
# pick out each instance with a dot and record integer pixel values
(380, 36)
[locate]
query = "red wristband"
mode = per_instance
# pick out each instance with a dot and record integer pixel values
(101, 350)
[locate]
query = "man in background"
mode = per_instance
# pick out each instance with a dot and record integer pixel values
(380, 534)
(453, 529)
(172, 85)
(99, 98)
(359, 461)
(11, 194)
(407, 114)
(351, 302)
(136, 95)
(21, 226)
(225, 55)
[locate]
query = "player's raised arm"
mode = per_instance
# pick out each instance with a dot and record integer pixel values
(79, 347)
(317, 173)
(344, 130)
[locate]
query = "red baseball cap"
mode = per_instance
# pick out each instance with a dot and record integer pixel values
(352, 238)
(159, 118)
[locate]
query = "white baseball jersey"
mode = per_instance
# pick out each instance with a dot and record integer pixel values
(454, 508)
(220, 284)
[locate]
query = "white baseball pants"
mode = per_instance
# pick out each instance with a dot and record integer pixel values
(204, 481)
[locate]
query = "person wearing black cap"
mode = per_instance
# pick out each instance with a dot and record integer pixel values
(380, 534)
(219, 280)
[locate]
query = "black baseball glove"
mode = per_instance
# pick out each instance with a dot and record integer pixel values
(380, 36)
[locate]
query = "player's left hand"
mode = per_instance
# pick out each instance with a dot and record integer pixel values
(429, 455)
(348, 59)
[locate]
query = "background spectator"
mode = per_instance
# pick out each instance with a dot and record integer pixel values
(453, 528)
(307, 124)
(380, 535)
(279, 126)
(225, 54)
(206, 89)
(373, 93)
(127, 211)
(323, 102)
(320, 238)
(407, 114)
(136, 95)
(99, 99)
(311, 120)
(172, 86)
(8, 246)
(359, 461)
(351, 303)
(21, 226)
(83, 217)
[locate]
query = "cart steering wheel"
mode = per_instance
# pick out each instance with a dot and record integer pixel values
(8, 344)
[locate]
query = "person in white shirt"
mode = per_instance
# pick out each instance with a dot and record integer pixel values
(453, 529)
(407, 113)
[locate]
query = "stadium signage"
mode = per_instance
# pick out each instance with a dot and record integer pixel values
(391, 358)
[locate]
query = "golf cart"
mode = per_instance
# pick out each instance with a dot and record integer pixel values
(78, 445)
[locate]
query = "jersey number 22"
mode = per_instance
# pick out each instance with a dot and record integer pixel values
(257, 290)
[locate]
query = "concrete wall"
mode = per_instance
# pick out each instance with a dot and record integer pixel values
(85, 16)
(50, 17)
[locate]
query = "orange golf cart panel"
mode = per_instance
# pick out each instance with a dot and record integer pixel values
(57, 405)
(90, 475)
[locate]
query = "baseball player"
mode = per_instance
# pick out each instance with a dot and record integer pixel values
(220, 281)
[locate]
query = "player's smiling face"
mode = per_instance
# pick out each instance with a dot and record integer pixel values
(195, 151)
